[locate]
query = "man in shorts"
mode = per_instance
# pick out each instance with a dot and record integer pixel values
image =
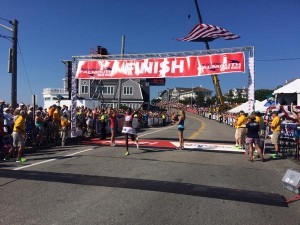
(18, 137)
(240, 133)
(275, 128)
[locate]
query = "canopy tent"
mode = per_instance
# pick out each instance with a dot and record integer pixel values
(264, 105)
(290, 88)
(244, 107)
(289, 93)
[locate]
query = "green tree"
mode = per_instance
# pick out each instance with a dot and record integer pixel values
(239, 100)
(185, 101)
(262, 94)
(155, 101)
(200, 99)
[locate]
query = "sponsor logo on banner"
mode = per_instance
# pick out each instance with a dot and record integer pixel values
(162, 67)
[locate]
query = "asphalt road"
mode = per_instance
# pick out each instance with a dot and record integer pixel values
(97, 184)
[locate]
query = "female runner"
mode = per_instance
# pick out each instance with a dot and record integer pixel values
(128, 129)
(181, 120)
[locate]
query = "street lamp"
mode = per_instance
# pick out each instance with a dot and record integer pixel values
(14, 38)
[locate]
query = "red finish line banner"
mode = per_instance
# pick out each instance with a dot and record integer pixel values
(169, 67)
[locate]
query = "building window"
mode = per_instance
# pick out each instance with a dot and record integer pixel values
(47, 99)
(84, 89)
(108, 90)
(128, 90)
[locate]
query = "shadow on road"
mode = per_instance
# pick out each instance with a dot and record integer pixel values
(256, 197)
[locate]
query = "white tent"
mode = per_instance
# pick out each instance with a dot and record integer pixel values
(290, 88)
(264, 105)
(288, 93)
(245, 107)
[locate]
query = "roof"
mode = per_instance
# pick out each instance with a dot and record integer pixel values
(195, 89)
(201, 89)
(292, 87)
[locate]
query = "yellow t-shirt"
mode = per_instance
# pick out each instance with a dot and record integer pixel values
(258, 120)
(56, 115)
(275, 125)
(20, 125)
(241, 122)
(64, 122)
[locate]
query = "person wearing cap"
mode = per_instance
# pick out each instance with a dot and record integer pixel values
(240, 126)
(8, 120)
(21, 106)
(275, 128)
(102, 119)
(18, 137)
(39, 125)
(64, 122)
(252, 128)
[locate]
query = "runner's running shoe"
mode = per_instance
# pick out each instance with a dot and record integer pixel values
(23, 159)
(127, 153)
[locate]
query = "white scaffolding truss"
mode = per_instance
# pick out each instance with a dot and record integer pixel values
(165, 54)
(247, 49)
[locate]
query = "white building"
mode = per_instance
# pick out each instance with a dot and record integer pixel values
(93, 94)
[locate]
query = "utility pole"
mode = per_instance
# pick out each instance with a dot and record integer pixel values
(14, 63)
(120, 80)
(215, 76)
(13, 58)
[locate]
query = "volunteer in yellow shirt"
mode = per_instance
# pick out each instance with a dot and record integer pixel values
(240, 126)
(18, 137)
(64, 122)
(275, 128)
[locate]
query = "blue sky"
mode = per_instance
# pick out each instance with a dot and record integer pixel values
(52, 31)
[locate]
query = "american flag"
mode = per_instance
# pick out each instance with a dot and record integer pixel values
(206, 32)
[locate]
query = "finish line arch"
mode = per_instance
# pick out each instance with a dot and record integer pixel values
(195, 63)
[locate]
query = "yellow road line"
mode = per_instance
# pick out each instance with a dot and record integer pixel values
(194, 135)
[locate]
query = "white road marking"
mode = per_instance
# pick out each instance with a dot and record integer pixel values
(154, 131)
(50, 160)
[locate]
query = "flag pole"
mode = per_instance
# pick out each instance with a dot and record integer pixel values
(214, 76)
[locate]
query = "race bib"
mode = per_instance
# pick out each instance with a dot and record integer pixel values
(128, 130)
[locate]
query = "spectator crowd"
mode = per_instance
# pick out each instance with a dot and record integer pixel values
(28, 126)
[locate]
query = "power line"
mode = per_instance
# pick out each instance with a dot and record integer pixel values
(286, 59)
(25, 69)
